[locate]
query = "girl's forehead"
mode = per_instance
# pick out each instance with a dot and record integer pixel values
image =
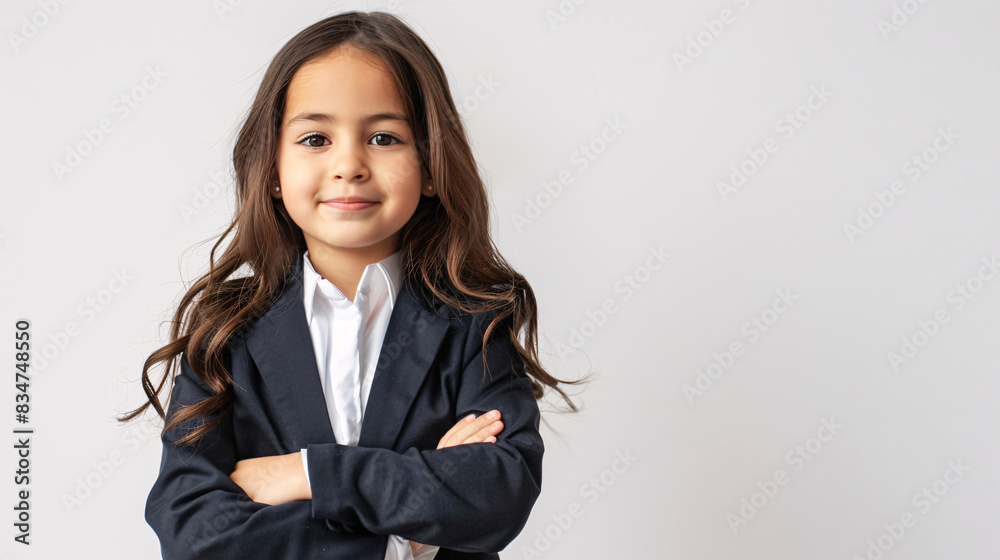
(344, 76)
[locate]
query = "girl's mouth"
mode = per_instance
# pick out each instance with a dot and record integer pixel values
(350, 206)
(350, 203)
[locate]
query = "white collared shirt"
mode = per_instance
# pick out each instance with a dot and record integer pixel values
(347, 338)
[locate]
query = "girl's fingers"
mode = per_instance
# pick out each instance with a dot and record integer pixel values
(486, 434)
(461, 423)
(472, 431)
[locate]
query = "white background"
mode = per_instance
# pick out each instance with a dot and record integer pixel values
(138, 211)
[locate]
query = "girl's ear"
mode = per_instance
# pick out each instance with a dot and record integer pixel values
(427, 188)
(276, 191)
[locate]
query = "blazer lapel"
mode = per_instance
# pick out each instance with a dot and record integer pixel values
(282, 349)
(411, 341)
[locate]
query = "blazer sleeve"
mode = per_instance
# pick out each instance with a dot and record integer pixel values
(197, 511)
(469, 498)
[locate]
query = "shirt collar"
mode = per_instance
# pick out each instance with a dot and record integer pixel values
(383, 276)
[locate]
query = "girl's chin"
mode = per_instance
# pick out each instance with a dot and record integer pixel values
(346, 245)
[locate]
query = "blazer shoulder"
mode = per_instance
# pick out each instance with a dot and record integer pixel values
(425, 297)
(463, 319)
(289, 293)
(471, 327)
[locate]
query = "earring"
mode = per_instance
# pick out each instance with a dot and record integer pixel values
(277, 188)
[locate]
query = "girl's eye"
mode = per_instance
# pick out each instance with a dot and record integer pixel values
(384, 139)
(380, 139)
(306, 141)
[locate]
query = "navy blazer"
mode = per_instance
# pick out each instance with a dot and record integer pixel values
(471, 500)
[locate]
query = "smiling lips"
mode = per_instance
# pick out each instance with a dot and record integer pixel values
(350, 203)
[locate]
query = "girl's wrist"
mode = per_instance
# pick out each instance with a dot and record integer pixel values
(300, 483)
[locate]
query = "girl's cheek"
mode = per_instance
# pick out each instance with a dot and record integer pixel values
(404, 170)
(300, 175)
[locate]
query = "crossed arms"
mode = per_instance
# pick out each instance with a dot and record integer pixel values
(469, 498)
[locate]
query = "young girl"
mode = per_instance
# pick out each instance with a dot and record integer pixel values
(374, 293)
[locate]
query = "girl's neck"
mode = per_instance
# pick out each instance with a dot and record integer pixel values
(344, 267)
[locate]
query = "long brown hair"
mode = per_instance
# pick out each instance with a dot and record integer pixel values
(446, 244)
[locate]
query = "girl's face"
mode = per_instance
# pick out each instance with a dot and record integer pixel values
(348, 165)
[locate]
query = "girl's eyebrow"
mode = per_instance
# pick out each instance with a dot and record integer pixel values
(307, 116)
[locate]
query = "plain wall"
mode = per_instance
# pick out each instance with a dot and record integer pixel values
(791, 360)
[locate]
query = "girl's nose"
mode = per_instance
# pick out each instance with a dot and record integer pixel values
(348, 164)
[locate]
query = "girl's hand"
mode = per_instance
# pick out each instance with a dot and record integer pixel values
(279, 479)
(469, 430)
(273, 480)
(473, 430)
